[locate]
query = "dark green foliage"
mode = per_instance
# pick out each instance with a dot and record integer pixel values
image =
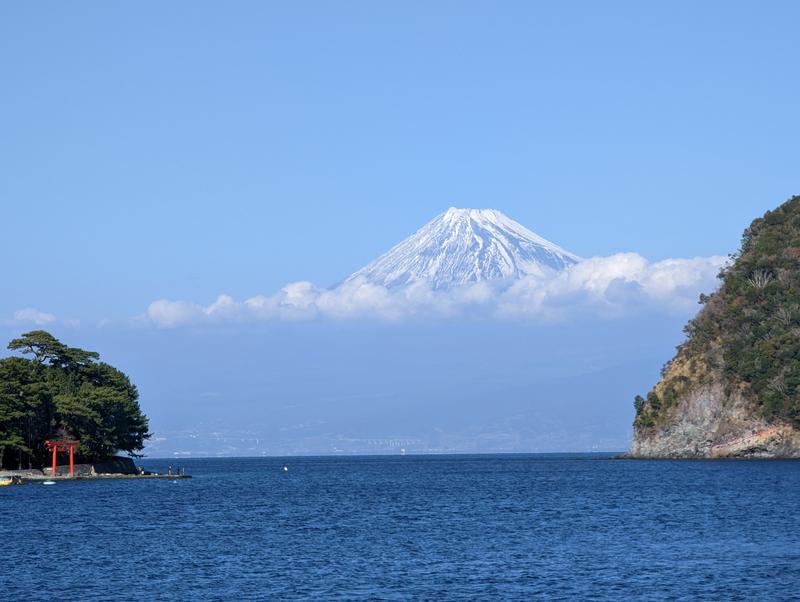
(65, 388)
(638, 404)
(644, 412)
(749, 330)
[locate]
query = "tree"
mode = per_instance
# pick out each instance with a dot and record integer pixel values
(65, 388)
(46, 348)
(24, 409)
(638, 404)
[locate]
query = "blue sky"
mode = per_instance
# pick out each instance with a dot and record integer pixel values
(186, 149)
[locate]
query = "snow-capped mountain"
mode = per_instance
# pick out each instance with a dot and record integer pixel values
(463, 246)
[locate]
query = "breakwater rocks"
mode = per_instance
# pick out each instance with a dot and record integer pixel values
(118, 465)
(115, 468)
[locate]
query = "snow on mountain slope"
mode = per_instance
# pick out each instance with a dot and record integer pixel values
(463, 246)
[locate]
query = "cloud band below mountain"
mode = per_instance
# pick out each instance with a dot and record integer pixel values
(605, 286)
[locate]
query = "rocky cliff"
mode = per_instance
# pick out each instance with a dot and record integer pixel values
(707, 422)
(733, 388)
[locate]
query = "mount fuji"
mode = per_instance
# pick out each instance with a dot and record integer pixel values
(465, 246)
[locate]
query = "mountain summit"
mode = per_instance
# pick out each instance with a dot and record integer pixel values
(463, 246)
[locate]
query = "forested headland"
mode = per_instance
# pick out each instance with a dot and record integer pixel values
(56, 390)
(749, 330)
(733, 388)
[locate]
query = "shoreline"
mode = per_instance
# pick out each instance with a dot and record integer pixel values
(100, 477)
(708, 458)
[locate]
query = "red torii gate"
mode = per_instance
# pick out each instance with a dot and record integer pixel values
(57, 446)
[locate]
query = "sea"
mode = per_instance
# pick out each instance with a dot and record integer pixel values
(427, 527)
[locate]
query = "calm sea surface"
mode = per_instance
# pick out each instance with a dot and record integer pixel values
(413, 527)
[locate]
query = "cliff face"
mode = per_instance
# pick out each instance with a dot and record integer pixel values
(707, 422)
(733, 388)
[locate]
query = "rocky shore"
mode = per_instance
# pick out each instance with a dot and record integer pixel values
(708, 423)
(114, 468)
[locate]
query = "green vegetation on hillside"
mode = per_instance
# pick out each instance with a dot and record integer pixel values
(748, 332)
(64, 389)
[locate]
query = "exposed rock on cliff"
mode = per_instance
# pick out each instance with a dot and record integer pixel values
(707, 422)
(733, 389)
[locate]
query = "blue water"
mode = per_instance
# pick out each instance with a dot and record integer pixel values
(412, 527)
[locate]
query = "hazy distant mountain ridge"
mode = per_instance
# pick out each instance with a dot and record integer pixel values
(463, 246)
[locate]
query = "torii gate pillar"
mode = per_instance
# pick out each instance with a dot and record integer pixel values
(58, 446)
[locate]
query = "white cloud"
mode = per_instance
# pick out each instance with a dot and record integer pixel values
(613, 285)
(173, 313)
(167, 313)
(607, 286)
(30, 315)
(293, 301)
